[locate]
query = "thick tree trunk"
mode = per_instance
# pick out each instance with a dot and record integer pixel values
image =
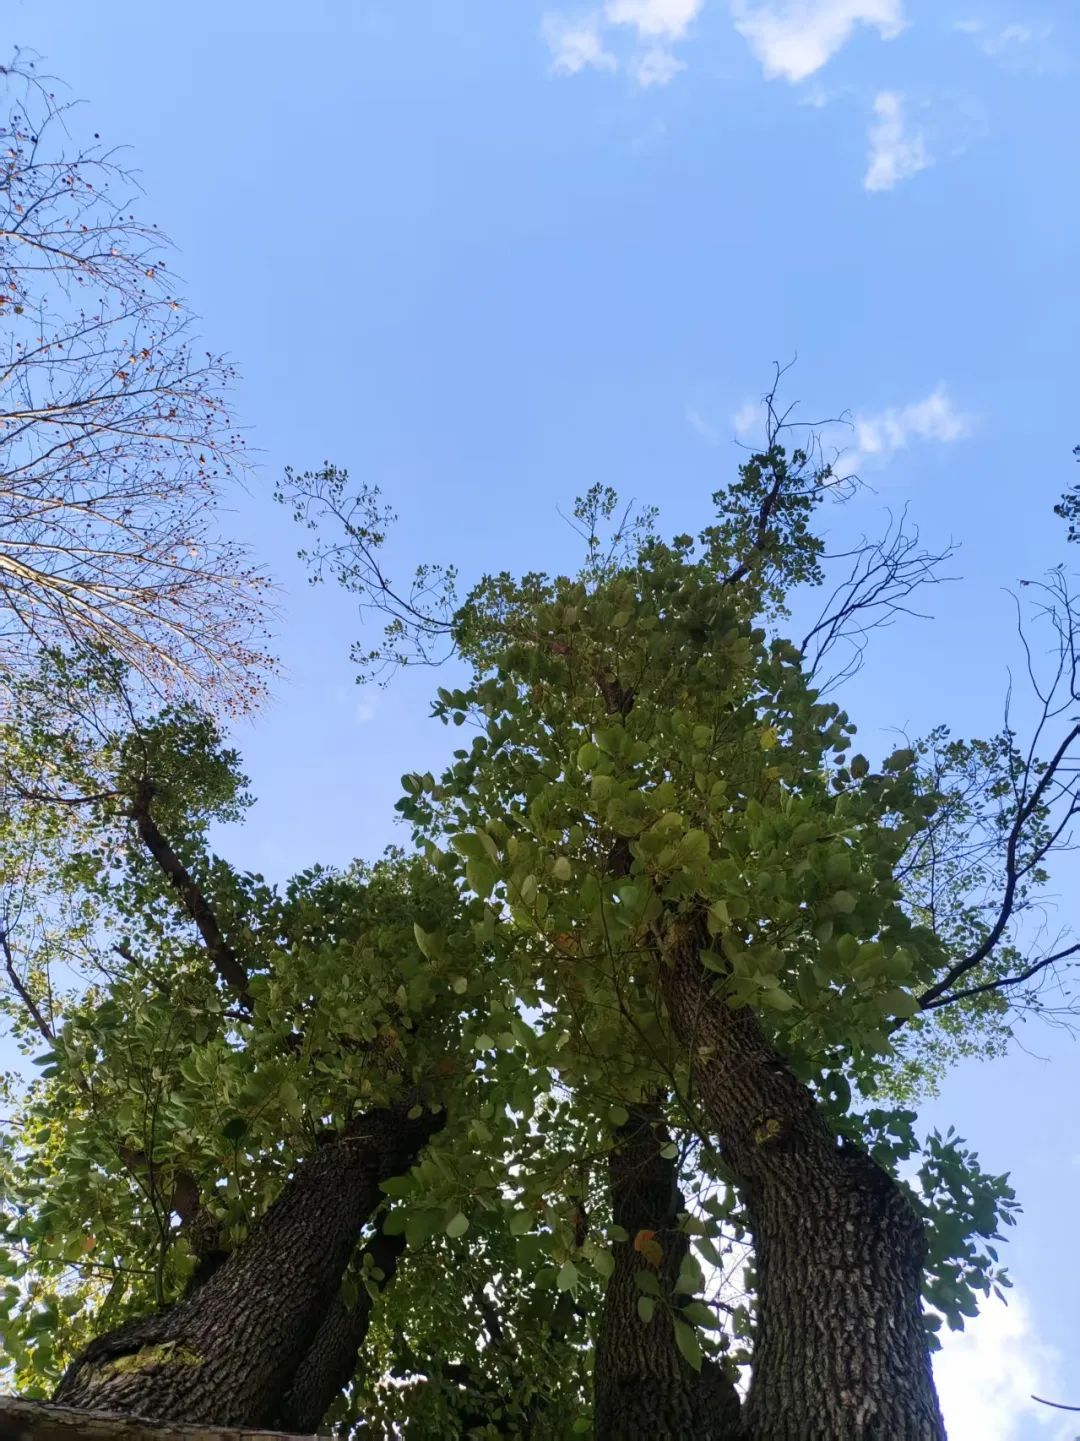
(39, 1421)
(230, 1351)
(840, 1351)
(643, 1386)
(330, 1362)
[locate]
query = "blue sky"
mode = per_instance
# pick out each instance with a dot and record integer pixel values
(486, 252)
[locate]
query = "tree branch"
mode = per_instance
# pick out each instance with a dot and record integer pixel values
(22, 990)
(222, 956)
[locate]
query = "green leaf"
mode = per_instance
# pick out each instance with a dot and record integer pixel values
(898, 1003)
(520, 1223)
(648, 1282)
(397, 1186)
(645, 1308)
(698, 1314)
(567, 1278)
(776, 999)
(289, 1097)
(457, 1225)
(587, 756)
(423, 940)
(686, 1339)
(604, 1262)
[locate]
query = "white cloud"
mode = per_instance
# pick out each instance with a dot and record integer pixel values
(365, 711)
(896, 152)
(575, 44)
(704, 428)
(1015, 42)
(987, 1374)
(747, 418)
(654, 19)
(794, 38)
(581, 42)
(877, 437)
(656, 66)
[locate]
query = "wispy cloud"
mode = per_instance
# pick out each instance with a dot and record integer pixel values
(656, 67)
(749, 417)
(702, 426)
(654, 19)
(795, 38)
(873, 437)
(986, 1375)
(575, 43)
(878, 436)
(583, 41)
(1020, 44)
(897, 151)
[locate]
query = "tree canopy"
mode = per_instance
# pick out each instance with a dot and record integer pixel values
(594, 1108)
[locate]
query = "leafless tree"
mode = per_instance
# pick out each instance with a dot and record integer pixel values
(115, 434)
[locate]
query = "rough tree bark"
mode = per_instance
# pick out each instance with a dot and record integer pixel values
(840, 1351)
(644, 1389)
(22, 1420)
(231, 1352)
(330, 1362)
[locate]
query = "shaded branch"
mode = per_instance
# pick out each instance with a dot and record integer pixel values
(1016, 868)
(1003, 982)
(222, 956)
(22, 990)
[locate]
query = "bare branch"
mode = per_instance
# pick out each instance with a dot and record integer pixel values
(881, 577)
(1057, 1405)
(1037, 804)
(115, 435)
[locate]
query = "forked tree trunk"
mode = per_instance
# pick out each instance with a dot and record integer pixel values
(840, 1350)
(330, 1361)
(644, 1389)
(231, 1352)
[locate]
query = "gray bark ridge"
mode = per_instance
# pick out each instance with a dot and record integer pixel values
(23, 1420)
(644, 1389)
(840, 1352)
(228, 1352)
(329, 1363)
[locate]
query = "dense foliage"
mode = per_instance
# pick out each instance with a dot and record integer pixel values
(648, 759)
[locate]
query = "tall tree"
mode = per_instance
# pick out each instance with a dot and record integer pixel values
(666, 970)
(115, 431)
